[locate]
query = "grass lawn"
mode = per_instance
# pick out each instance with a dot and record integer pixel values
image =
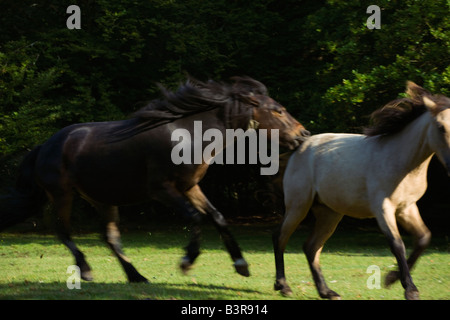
(34, 266)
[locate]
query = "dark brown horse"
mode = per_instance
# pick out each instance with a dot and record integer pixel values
(125, 162)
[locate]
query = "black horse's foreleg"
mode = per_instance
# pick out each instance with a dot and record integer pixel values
(232, 246)
(201, 203)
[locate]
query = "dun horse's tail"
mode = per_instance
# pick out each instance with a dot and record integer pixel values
(26, 199)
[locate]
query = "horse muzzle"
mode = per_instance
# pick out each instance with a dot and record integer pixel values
(304, 135)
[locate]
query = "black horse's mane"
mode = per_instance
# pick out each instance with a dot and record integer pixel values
(195, 96)
(190, 98)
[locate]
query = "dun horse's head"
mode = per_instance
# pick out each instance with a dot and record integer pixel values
(439, 130)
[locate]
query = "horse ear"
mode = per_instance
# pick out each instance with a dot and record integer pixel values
(250, 99)
(431, 105)
(415, 92)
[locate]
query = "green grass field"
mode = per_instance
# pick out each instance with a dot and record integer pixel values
(34, 266)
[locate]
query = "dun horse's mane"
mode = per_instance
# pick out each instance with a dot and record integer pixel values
(397, 114)
(394, 117)
(190, 98)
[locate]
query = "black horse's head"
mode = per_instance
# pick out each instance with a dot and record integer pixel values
(244, 102)
(268, 114)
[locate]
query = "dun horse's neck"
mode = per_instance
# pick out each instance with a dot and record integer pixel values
(410, 149)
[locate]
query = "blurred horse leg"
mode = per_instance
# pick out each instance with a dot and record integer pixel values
(387, 222)
(297, 207)
(112, 237)
(326, 223)
(181, 204)
(412, 222)
(62, 206)
(201, 203)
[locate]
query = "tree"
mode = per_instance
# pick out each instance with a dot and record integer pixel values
(317, 58)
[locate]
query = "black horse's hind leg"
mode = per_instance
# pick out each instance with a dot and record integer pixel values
(326, 222)
(112, 237)
(63, 207)
(199, 200)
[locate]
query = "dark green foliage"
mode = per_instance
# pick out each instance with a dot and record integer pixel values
(317, 58)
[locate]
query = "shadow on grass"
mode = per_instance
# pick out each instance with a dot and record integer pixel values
(112, 291)
(347, 240)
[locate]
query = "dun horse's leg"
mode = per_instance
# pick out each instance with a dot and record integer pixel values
(63, 207)
(112, 237)
(295, 213)
(280, 277)
(412, 222)
(201, 203)
(386, 221)
(326, 223)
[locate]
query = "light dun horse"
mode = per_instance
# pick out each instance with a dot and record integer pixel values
(381, 174)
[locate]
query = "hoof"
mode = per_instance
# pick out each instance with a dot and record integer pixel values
(391, 277)
(336, 297)
(185, 265)
(412, 295)
(286, 292)
(87, 275)
(138, 279)
(331, 295)
(282, 286)
(241, 267)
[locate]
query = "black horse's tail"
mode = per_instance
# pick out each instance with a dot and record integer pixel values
(27, 198)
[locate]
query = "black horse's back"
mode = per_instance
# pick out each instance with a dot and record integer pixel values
(26, 199)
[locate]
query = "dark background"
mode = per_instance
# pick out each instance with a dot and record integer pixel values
(317, 58)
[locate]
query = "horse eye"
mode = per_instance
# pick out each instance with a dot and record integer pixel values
(279, 111)
(441, 128)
